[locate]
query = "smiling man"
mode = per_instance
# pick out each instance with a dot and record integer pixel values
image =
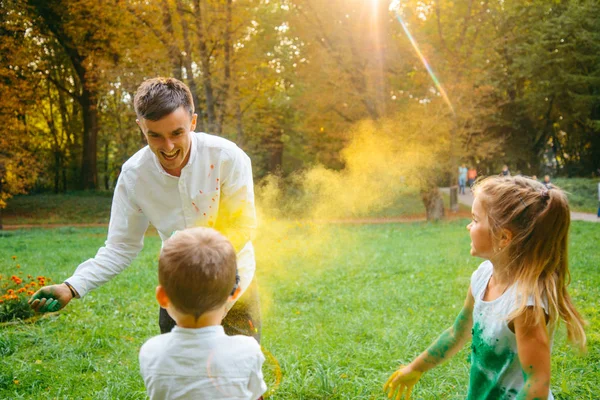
(182, 179)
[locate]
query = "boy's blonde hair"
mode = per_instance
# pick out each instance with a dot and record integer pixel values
(197, 269)
(539, 220)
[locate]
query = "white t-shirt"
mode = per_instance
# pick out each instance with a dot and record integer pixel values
(215, 185)
(496, 372)
(202, 364)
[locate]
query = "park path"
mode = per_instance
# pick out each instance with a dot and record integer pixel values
(450, 216)
(467, 199)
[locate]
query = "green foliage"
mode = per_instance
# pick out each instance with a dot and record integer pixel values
(288, 80)
(338, 317)
(582, 193)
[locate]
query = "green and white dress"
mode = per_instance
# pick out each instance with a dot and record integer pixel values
(496, 373)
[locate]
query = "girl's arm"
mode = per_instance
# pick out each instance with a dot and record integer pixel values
(533, 346)
(450, 341)
(445, 346)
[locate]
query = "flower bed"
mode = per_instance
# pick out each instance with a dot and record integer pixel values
(15, 291)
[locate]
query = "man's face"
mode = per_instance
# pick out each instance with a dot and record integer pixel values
(169, 138)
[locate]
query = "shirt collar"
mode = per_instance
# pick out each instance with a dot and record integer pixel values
(214, 330)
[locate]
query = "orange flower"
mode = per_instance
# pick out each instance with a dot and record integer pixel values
(1, 301)
(14, 257)
(18, 266)
(21, 290)
(29, 277)
(10, 292)
(30, 292)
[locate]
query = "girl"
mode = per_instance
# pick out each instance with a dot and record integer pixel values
(516, 296)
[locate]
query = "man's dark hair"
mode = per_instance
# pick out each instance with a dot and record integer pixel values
(158, 97)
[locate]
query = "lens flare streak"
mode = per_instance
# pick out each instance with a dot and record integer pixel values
(424, 61)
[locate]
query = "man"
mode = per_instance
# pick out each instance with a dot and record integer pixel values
(181, 179)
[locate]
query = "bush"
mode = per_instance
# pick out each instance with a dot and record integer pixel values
(15, 291)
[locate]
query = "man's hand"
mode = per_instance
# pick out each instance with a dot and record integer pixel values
(51, 298)
(403, 379)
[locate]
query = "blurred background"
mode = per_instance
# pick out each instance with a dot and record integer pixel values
(293, 82)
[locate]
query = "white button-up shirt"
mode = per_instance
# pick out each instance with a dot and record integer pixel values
(215, 189)
(202, 364)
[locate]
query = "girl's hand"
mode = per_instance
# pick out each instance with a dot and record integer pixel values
(402, 380)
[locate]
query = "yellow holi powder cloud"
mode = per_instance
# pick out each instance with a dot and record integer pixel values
(383, 161)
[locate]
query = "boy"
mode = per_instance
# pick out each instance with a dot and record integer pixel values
(196, 360)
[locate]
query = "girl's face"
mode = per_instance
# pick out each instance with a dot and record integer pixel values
(479, 230)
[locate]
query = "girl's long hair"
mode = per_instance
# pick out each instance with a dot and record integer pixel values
(539, 220)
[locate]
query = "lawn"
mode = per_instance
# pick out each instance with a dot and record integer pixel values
(94, 208)
(64, 208)
(342, 307)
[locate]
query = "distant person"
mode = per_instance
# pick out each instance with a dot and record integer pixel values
(471, 176)
(534, 177)
(462, 178)
(547, 182)
(181, 179)
(197, 278)
(516, 297)
(505, 171)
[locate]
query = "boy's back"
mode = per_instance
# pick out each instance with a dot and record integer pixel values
(202, 363)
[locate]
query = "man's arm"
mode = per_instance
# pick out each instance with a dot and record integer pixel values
(125, 240)
(237, 212)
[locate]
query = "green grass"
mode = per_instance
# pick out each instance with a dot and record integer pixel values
(69, 208)
(582, 193)
(342, 308)
(94, 208)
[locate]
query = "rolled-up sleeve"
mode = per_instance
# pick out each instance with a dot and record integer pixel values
(237, 212)
(124, 242)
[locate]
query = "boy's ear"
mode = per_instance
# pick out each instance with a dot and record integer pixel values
(236, 294)
(161, 297)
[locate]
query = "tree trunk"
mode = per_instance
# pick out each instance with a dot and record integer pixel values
(434, 203)
(239, 124)
(187, 59)
(57, 163)
(174, 53)
(89, 169)
(106, 169)
(206, 74)
(2, 172)
(224, 97)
